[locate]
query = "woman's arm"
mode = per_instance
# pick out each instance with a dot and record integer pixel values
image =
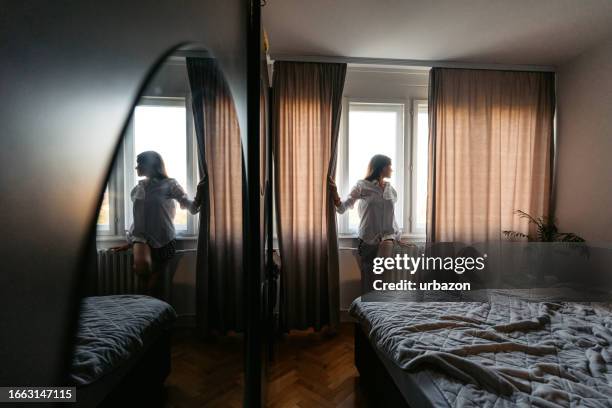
(342, 206)
(177, 193)
(389, 193)
(119, 248)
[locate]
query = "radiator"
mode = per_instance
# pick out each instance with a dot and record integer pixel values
(115, 274)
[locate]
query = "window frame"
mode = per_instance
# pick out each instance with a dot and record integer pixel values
(408, 148)
(414, 231)
(112, 218)
(115, 200)
(122, 177)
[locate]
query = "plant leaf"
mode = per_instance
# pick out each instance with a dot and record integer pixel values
(523, 214)
(569, 237)
(514, 235)
(574, 242)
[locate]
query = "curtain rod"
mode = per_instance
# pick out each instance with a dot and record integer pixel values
(424, 64)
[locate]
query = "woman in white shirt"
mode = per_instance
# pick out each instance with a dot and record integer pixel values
(378, 229)
(152, 234)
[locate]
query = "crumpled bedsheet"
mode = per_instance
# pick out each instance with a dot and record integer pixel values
(111, 329)
(505, 352)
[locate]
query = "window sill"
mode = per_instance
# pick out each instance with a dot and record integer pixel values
(414, 237)
(106, 238)
(186, 237)
(350, 241)
(408, 237)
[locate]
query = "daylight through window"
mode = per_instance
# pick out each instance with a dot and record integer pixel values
(399, 131)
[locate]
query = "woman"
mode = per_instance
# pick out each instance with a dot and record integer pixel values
(152, 234)
(378, 229)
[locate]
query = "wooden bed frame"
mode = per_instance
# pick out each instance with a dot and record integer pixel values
(378, 385)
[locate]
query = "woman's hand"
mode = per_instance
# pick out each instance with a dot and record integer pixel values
(405, 244)
(201, 184)
(334, 192)
(200, 190)
(120, 248)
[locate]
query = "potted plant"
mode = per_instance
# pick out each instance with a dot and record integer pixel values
(538, 257)
(546, 230)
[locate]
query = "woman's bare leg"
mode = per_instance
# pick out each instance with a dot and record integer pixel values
(385, 250)
(156, 286)
(143, 265)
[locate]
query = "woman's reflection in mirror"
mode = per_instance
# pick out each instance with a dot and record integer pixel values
(152, 235)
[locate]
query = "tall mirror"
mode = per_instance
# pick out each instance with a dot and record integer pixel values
(163, 322)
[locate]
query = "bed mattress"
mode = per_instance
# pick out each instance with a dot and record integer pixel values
(113, 329)
(506, 352)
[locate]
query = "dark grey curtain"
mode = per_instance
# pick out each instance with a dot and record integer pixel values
(219, 277)
(306, 109)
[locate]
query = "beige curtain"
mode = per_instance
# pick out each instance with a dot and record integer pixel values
(219, 273)
(490, 149)
(307, 100)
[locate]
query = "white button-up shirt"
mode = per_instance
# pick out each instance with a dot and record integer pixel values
(154, 210)
(376, 210)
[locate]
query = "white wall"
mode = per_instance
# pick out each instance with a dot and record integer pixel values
(584, 183)
(374, 83)
(394, 83)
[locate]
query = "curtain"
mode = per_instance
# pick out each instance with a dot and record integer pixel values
(490, 149)
(307, 100)
(219, 277)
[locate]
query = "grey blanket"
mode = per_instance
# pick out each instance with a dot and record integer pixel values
(112, 329)
(504, 352)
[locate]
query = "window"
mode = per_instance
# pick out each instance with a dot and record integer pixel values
(165, 126)
(104, 218)
(420, 159)
(374, 128)
(370, 128)
(160, 128)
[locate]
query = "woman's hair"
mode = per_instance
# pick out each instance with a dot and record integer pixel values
(377, 163)
(154, 162)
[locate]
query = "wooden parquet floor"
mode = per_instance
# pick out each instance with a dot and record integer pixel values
(309, 370)
(314, 370)
(205, 374)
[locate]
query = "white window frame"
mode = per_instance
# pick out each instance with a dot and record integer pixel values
(414, 231)
(122, 178)
(403, 167)
(112, 217)
(115, 200)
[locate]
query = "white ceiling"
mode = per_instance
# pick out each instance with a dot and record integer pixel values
(534, 32)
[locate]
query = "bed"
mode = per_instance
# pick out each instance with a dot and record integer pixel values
(122, 352)
(512, 350)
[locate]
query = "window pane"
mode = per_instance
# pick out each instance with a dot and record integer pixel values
(421, 159)
(104, 215)
(163, 129)
(373, 129)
